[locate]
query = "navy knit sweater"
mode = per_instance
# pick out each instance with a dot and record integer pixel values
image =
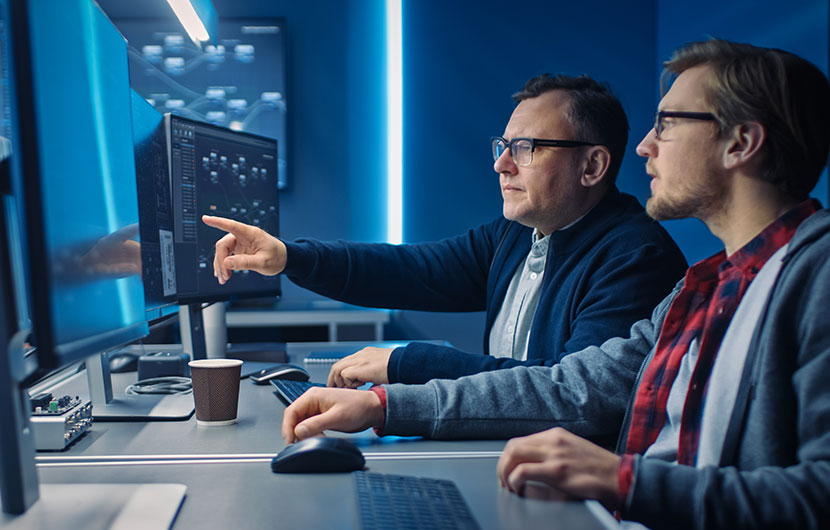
(602, 274)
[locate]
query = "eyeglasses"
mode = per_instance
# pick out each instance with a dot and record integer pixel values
(661, 115)
(521, 149)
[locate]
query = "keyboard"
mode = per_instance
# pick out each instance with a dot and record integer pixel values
(291, 390)
(407, 502)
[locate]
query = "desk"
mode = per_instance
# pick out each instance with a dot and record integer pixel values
(316, 317)
(229, 481)
(249, 495)
(257, 431)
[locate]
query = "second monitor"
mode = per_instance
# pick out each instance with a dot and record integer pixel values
(216, 171)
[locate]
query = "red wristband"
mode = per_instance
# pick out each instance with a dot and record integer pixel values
(381, 394)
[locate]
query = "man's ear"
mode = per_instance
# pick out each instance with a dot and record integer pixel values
(597, 161)
(743, 144)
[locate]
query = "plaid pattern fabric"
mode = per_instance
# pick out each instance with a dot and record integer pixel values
(702, 310)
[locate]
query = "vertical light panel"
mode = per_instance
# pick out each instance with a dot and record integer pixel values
(394, 122)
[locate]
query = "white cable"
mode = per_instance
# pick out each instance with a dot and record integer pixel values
(161, 385)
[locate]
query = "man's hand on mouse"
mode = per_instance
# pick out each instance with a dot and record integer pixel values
(340, 409)
(369, 365)
(245, 247)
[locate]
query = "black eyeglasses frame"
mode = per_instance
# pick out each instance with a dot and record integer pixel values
(660, 114)
(534, 142)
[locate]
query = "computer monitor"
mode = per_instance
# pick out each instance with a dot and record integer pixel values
(69, 164)
(71, 175)
(217, 171)
(155, 209)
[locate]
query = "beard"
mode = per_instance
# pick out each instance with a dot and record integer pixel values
(686, 202)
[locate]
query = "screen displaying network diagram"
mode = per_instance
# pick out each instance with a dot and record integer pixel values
(238, 82)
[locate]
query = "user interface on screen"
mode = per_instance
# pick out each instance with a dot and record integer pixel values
(218, 171)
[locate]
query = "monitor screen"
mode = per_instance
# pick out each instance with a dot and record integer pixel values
(238, 81)
(218, 171)
(155, 210)
(73, 172)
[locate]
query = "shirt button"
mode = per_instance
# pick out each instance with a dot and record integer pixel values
(533, 275)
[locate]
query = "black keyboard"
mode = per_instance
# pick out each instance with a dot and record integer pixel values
(291, 390)
(400, 501)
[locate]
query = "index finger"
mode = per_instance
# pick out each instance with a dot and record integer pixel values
(334, 378)
(507, 461)
(229, 225)
(516, 455)
(302, 408)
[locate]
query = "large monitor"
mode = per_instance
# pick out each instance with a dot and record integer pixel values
(71, 157)
(72, 177)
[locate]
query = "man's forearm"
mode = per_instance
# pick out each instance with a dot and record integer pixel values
(587, 393)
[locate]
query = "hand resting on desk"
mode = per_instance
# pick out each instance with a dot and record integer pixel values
(340, 409)
(572, 467)
(366, 366)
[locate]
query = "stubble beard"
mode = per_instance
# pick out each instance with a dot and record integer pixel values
(689, 203)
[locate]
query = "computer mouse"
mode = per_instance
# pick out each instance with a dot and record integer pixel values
(290, 372)
(319, 455)
(123, 362)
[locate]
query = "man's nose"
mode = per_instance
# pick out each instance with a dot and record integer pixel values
(505, 163)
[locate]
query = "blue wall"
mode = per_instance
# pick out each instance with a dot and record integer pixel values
(462, 62)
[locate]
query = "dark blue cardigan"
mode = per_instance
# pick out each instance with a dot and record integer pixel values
(602, 275)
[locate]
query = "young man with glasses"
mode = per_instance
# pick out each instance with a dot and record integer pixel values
(571, 263)
(728, 425)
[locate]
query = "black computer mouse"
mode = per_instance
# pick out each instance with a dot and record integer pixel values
(290, 372)
(319, 455)
(123, 362)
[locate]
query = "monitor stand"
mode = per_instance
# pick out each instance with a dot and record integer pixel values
(126, 407)
(194, 332)
(93, 506)
(147, 407)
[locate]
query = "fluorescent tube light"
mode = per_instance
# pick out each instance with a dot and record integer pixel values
(394, 121)
(193, 25)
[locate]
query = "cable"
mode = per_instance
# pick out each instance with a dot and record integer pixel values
(161, 385)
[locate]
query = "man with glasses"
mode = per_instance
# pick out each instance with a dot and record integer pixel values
(571, 263)
(728, 425)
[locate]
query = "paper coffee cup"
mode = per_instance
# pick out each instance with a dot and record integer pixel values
(215, 390)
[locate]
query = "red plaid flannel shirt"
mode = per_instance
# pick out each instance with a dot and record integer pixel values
(702, 310)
